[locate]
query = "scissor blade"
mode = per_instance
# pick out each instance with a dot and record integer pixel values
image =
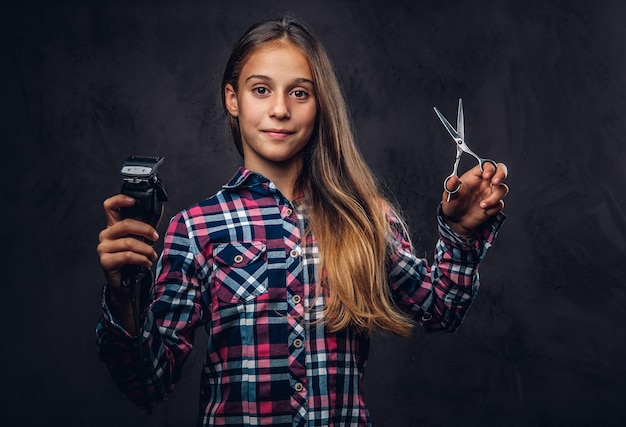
(448, 126)
(460, 121)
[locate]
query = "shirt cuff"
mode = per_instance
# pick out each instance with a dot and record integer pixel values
(110, 322)
(482, 238)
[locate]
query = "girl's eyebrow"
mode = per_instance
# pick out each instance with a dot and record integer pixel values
(299, 80)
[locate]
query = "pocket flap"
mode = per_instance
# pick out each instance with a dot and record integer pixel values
(238, 254)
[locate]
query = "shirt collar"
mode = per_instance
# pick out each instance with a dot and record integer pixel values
(253, 181)
(245, 178)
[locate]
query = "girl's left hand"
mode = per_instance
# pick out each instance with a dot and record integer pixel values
(479, 198)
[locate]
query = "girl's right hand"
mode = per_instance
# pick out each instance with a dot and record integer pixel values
(117, 248)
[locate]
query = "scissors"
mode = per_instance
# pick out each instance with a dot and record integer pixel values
(458, 135)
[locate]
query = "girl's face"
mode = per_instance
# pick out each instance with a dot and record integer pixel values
(275, 106)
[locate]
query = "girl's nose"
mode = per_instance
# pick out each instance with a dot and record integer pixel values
(279, 108)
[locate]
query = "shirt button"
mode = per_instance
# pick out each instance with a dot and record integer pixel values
(294, 253)
(238, 259)
(299, 387)
(297, 299)
(288, 212)
(297, 343)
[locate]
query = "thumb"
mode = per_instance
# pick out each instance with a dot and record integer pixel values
(452, 183)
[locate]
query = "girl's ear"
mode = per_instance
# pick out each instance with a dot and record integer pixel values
(230, 97)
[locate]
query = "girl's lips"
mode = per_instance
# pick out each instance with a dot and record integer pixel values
(278, 133)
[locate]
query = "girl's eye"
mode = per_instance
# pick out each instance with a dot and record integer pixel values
(300, 94)
(260, 90)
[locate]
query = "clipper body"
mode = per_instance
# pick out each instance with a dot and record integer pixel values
(142, 183)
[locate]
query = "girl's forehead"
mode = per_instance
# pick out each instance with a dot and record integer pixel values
(277, 54)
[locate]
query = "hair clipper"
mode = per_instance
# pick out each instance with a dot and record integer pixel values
(142, 183)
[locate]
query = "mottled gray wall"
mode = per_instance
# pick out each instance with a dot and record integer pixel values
(543, 84)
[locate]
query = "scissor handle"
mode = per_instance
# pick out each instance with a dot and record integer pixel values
(481, 162)
(445, 186)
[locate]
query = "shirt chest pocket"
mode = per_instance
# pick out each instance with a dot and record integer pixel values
(239, 271)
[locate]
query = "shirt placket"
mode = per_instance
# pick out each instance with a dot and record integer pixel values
(295, 318)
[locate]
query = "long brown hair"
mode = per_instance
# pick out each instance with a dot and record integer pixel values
(348, 212)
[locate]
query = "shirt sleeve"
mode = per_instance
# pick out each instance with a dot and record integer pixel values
(169, 322)
(438, 296)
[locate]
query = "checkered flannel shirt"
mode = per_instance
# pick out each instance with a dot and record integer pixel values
(240, 264)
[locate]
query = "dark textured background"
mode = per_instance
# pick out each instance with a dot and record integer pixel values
(543, 83)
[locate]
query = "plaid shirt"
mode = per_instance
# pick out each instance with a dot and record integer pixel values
(239, 264)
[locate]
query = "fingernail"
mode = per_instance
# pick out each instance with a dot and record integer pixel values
(483, 205)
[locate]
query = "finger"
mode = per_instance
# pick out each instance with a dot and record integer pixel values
(452, 184)
(115, 261)
(500, 175)
(488, 170)
(116, 253)
(498, 192)
(128, 227)
(127, 244)
(494, 209)
(112, 207)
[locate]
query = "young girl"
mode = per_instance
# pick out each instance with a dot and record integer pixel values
(294, 263)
